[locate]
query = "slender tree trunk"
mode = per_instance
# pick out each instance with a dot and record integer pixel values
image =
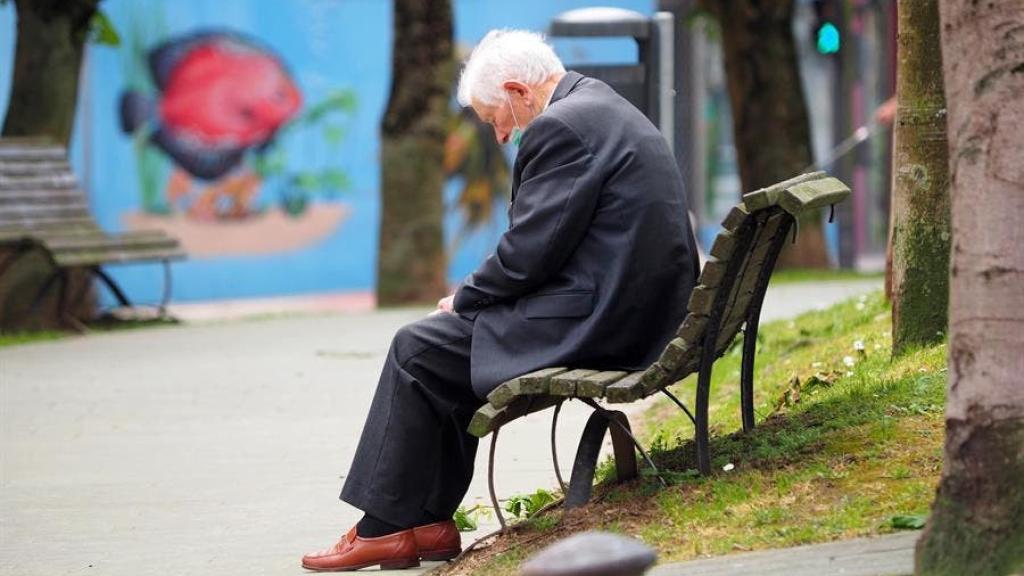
(47, 58)
(411, 265)
(977, 521)
(770, 125)
(920, 199)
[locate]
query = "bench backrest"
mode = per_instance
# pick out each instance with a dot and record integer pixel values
(39, 193)
(740, 263)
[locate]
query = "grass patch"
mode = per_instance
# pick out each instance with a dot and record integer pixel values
(99, 326)
(796, 275)
(848, 443)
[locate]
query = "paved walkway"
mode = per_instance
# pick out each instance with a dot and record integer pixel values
(218, 447)
(891, 555)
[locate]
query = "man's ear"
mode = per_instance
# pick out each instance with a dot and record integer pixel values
(516, 87)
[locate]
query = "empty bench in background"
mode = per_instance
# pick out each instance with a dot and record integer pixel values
(726, 302)
(42, 206)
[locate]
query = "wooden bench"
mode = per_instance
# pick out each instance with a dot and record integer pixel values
(42, 207)
(726, 302)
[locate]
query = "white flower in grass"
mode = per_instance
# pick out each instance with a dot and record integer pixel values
(858, 345)
(728, 467)
(849, 361)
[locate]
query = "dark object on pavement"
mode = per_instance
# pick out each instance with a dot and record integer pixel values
(591, 554)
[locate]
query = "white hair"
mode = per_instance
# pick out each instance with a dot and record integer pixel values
(505, 55)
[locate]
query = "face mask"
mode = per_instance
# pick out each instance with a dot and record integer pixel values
(517, 132)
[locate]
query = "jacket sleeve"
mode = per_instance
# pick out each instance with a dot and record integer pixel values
(552, 208)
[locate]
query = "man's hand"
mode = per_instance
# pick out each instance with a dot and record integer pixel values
(445, 306)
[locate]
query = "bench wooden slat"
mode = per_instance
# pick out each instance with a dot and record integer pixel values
(35, 153)
(94, 258)
(692, 328)
(40, 196)
(723, 246)
(593, 386)
(655, 378)
(713, 272)
(678, 354)
(128, 241)
(28, 214)
(18, 167)
(9, 182)
(627, 389)
(565, 384)
(736, 217)
(536, 383)
(765, 197)
(813, 194)
(702, 298)
(488, 418)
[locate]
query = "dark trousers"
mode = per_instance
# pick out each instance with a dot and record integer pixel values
(414, 455)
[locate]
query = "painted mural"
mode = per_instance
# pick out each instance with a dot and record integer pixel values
(250, 130)
(219, 100)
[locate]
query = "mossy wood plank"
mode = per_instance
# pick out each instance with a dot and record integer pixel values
(676, 354)
(736, 217)
(86, 258)
(627, 389)
(692, 328)
(537, 382)
(701, 300)
(565, 384)
(765, 197)
(654, 378)
(811, 195)
(504, 394)
(37, 181)
(724, 246)
(483, 418)
(593, 386)
(713, 272)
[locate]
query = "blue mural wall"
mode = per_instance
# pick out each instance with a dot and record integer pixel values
(263, 157)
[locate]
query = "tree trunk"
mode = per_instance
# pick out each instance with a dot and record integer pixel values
(47, 58)
(770, 125)
(920, 199)
(977, 521)
(411, 264)
(44, 91)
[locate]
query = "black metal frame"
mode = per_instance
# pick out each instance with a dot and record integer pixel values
(748, 234)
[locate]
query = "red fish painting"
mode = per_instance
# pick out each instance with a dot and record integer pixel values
(220, 95)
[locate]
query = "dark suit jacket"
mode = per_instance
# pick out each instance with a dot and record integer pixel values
(598, 262)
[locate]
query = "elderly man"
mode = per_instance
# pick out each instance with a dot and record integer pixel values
(594, 270)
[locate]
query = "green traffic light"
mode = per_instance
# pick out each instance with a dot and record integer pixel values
(828, 38)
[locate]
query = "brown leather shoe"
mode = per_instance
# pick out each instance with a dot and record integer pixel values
(391, 552)
(438, 541)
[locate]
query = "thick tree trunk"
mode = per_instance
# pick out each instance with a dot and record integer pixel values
(769, 113)
(44, 90)
(47, 57)
(411, 265)
(920, 199)
(977, 521)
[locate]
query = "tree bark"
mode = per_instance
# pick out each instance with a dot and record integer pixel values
(411, 264)
(977, 521)
(920, 200)
(47, 58)
(770, 124)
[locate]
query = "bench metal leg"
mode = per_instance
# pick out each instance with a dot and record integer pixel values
(621, 423)
(490, 480)
(166, 298)
(753, 319)
(554, 448)
(701, 425)
(114, 288)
